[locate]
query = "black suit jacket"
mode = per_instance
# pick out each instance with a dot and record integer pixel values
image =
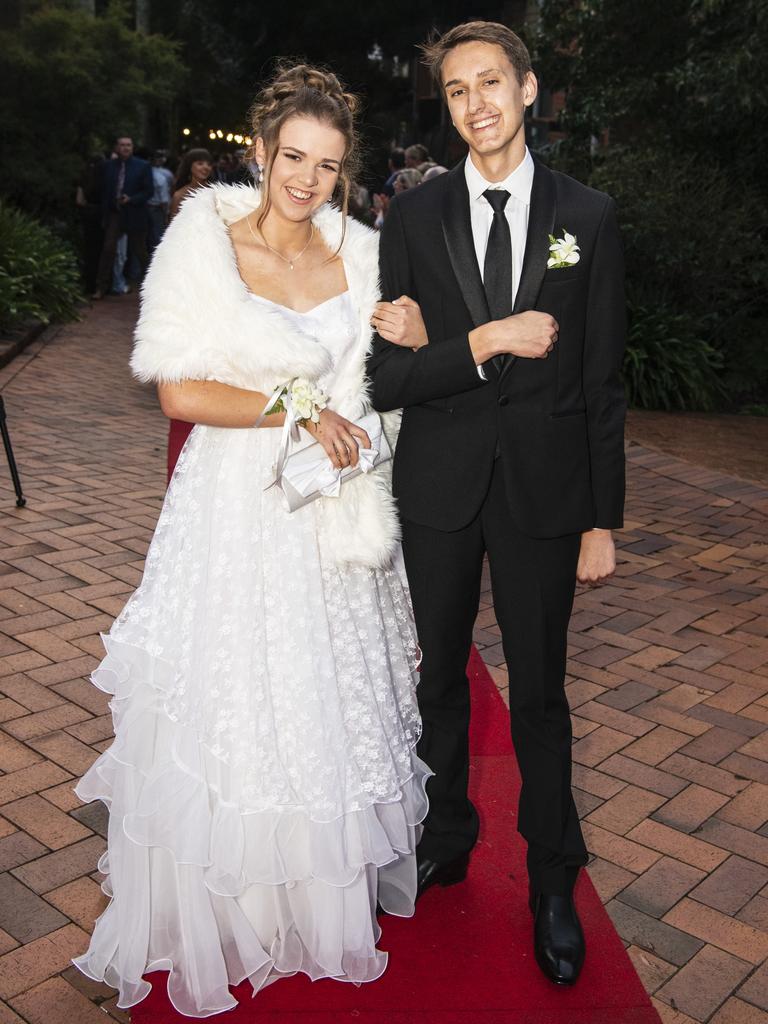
(559, 421)
(138, 186)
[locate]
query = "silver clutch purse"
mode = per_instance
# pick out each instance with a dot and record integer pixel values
(307, 474)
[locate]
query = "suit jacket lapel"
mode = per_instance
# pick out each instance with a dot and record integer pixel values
(541, 223)
(457, 230)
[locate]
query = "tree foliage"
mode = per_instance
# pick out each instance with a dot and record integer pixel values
(232, 48)
(685, 73)
(68, 83)
(663, 106)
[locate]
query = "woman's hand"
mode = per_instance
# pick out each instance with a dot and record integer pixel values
(400, 322)
(341, 439)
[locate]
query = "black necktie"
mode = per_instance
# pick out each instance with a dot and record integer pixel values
(497, 270)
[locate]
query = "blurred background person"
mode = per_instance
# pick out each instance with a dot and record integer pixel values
(159, 205)
(195, 171)
(379, 207)
(408, 178)
(239, 173)
(360, 203)
(434, 172)
(126, 189)
(395, 163)
(120, 284)
(222, 170)
(88, 203)
(416, 155)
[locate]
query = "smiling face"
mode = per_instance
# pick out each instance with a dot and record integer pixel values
(486, 101)
(201, 170)
(306, 166)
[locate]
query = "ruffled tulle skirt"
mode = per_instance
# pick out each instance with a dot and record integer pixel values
(263, 786)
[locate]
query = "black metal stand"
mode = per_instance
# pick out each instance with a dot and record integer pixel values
(21, 501)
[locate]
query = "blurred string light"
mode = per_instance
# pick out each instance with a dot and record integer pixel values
(185, 131)
(217, 133)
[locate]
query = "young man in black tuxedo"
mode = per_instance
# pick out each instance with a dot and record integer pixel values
(505, 357)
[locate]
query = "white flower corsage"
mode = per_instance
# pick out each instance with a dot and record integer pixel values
(563, 252)
(303, 398)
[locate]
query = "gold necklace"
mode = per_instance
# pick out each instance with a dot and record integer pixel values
(285, 259)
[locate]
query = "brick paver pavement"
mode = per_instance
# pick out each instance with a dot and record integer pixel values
(668, 684)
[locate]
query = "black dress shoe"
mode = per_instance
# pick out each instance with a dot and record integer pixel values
(429, 872)
(558, 940)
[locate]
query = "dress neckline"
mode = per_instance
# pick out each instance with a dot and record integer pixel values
(299, 312)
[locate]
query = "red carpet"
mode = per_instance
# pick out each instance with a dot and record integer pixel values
(466, 957)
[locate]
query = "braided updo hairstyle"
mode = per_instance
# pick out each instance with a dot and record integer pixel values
(299, 90)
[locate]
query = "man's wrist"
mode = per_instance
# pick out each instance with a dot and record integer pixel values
(481, 344)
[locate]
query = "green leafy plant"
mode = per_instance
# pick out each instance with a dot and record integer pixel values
(667, 365)
(39, 277)
(665, 123)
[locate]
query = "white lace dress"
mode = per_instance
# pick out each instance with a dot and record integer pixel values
(263, 785)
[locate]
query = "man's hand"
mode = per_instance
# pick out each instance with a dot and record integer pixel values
(597, 557)
(529, 335)
(400, 322)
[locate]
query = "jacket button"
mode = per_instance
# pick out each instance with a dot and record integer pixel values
(504, 400)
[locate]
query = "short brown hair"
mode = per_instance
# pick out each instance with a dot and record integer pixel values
(417, 152)
(438, 46)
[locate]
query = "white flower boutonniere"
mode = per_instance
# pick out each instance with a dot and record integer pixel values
(563, 252)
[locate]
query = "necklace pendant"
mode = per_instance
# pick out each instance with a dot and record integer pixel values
(290, 265)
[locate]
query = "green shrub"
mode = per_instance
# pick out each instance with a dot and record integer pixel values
(666, 123)
(697, 274)
(39, 277)
(668, 365)
(694, 259)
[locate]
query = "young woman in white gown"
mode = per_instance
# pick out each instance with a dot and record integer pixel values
(263, 786)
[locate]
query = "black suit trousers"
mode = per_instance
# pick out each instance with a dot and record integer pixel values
(137, 246)
(533, 582)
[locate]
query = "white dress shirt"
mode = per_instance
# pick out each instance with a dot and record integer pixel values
(518, 184)
(162, 179)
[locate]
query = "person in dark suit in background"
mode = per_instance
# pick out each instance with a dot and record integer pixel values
(395, 164)
(503, 346)
(88, 202)
(127, 187)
